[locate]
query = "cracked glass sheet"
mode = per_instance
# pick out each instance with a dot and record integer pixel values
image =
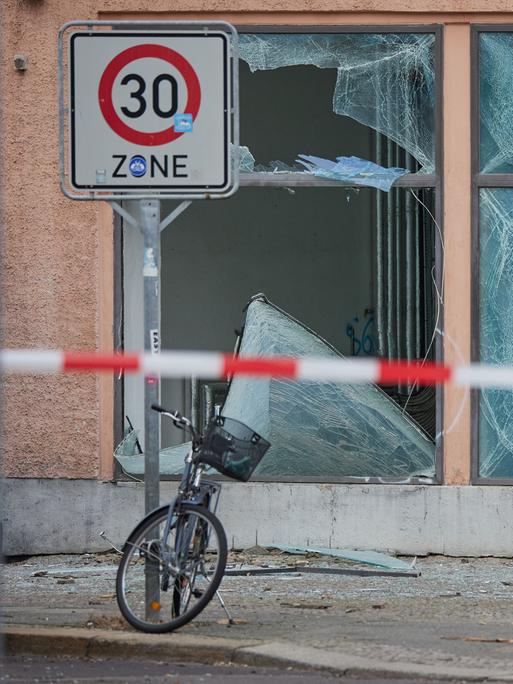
(496, 329)
(246, 159)
(496, 102)
(247, 164)
(321, 429)
(171, 460)
(384, 81)
(129, 446)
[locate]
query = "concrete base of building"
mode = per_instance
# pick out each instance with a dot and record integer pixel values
(41, 516)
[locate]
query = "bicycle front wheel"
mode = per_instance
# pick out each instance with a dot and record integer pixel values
(164, 583)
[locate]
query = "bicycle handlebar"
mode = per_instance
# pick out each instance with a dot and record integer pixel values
(177, 418)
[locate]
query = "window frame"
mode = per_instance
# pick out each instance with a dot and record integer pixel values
(479, 181)
(270, 180)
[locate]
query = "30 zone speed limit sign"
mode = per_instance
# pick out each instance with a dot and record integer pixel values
(152, 111)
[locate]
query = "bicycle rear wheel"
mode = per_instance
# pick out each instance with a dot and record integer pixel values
(186, 568)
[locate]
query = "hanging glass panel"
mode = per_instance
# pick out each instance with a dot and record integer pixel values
(321, 94)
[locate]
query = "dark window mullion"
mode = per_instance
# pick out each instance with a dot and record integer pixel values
(494, 180)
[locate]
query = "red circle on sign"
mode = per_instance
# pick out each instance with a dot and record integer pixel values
(139, 52)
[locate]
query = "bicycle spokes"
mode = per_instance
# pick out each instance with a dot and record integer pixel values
(182, 568)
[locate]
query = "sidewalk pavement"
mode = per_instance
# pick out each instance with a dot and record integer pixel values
(455, 621)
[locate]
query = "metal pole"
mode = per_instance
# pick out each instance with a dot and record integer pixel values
(391, 257)
(380, 263)
(150, 227)
(398, 220)
(419, 349)
(410, 282)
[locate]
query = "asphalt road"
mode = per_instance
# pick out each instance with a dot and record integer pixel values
(25, 669)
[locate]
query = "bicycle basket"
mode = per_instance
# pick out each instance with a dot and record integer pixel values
(232, 448)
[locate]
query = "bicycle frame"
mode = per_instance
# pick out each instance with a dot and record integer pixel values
(194, 491)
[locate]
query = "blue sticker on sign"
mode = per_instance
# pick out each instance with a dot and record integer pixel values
(183, 123)
(137, 166)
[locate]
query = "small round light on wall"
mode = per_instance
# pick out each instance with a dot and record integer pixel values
(20, 62)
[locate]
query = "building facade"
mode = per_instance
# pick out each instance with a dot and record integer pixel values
(422, 271)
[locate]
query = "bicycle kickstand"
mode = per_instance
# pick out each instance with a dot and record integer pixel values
(231, 621)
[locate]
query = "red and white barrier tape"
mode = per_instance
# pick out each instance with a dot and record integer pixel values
(179, 364)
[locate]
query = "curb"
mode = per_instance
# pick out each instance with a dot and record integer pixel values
(101, 643)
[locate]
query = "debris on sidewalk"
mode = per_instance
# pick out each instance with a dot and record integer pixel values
(381, 560)
(440, 617)
(306, 604)
(484, 640)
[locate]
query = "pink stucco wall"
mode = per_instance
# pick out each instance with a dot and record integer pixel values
(52, 285)
(57, 254)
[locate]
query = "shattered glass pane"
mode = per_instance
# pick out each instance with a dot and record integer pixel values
(321, 429)
(383, 81)
(171, 460)
(130, 445)
(496, 329)
(380, 560)
(246, 159)
(278, 166)
(354, 170)
(496, 103)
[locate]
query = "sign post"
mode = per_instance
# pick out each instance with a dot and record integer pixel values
(148, 111)
(150, 226)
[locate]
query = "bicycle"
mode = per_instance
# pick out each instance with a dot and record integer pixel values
(174, 559)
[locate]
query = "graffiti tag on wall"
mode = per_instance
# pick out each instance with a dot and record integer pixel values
(360, 331)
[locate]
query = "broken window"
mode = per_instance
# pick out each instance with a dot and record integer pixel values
(316, 429)
(326, 120)
(496, 334)
(385, 82)
(496, 103)
(495, 244)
